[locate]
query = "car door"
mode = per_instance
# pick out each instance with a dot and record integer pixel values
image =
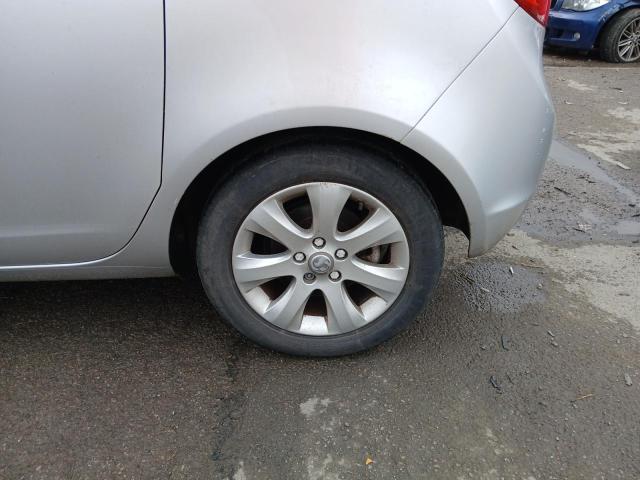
(81, 119)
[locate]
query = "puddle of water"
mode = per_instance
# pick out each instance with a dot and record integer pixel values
(605, 274)
(490, 286)
(567, 156)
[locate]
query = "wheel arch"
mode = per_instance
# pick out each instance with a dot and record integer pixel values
(187, 214)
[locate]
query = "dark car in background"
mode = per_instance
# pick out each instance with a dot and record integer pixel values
(611, 26)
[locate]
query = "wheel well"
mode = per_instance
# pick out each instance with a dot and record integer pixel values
(187, 215)
(604, 27)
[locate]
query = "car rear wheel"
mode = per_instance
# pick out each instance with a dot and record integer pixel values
(620, 42)
(320, 250)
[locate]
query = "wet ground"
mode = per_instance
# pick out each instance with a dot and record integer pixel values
(525, 366)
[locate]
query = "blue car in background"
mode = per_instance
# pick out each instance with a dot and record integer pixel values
(612, 26)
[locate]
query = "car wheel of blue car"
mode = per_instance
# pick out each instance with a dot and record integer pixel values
(620, 41)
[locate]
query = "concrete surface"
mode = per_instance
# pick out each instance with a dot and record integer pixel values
(521, 375)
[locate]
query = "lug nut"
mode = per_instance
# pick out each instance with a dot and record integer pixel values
(341, 254)
(318, 242)
(309, 277)
(299, 257)
(335, 276)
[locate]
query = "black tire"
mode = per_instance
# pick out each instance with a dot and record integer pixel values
(367, 169)
(611, 35)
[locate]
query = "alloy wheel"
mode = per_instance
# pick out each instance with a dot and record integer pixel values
(629, 42)
(320, 259)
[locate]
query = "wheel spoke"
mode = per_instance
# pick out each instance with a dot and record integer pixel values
(624, 51)
(271, 220)
(287, 310)
(327, 201)
(252, 270)
(342, 314)
(386, 281)
(380, 228)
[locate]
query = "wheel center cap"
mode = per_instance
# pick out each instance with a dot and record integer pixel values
(320, 263)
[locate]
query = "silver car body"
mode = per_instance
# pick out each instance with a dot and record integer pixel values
(109, 110)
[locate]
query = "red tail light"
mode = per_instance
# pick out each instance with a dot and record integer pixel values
(538, 9)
